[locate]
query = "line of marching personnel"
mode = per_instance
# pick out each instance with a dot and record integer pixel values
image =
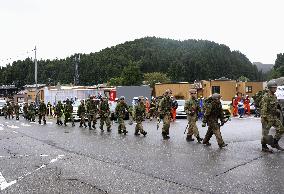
(161, 108)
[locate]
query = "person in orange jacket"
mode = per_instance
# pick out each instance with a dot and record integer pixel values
(174, 108)
(247, 105)
(235, 106)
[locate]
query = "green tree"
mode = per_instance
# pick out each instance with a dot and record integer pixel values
(155, 77)
(243, 79)
(131, 75)
(117, 81)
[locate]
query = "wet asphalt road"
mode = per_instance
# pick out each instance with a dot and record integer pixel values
(52, 159)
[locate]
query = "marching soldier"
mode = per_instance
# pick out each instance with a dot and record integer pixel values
(25, 111)
(10, 110)
(165, 107)
(41, 112)
(269, 118)
(59, 113)
(104, 114)
(31, 112)
(152, 108)
(213, 112)
(82, 113)
(92, 110)
(192, 109)
(68, 110)
(140, 113)
(17, 110)
(120, 110)
(5, 110)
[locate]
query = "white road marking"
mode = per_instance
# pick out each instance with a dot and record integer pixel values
(13, 126)
(43, 155)
(1, 128)
(15, 132)
(25, 125)
(4, 184)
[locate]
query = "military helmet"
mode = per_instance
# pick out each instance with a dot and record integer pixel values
(272, 84)
(140, 98)
(168, 91)
(216, 96)
(122, 98)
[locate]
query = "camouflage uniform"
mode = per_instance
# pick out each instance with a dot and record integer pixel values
(31, 112)
(120, 111)
(92, 110)
(152, 109)
(81, 113)
(269, 118)
(165, 107)
(17, 111)
(10, 110)
(58, 112)
(25, 111)
(213, 112)
(5, 110)
(192, 109)
(104, 114)
(68, 110)
(41, 112)
(140, 112)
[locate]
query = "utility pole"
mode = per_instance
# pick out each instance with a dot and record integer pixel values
(76, 77)
(35, 76)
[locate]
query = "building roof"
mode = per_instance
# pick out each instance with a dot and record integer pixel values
(7, 87)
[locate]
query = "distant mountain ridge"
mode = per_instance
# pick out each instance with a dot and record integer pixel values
(263, 67)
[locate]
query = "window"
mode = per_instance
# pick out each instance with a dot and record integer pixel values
(248, 89)
(215, 89)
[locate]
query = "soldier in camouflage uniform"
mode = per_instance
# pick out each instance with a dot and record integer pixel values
(10, 110)
(192, 109)
(59, 113)
(81, 113)
(17, 110)
(269, 118)
(5, 110)
(164, 110)
(25, 110)
(213, 112)
(120, 110)
(92, 110)
(68, 110)
(152, 108)
(41, 112)
(31, 112)
(140, 113)
(104, 114)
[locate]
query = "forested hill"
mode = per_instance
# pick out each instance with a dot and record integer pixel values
(187, 60)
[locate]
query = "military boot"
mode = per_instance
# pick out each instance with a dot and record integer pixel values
(199, 139)
(108, 129)
(85, 125)
(189, 138)
(276, 145)
(44, 122)
(60, 123)
(223, 145)
(125, 131)
(39, 122)
(80, 125)
(206, 143)
(144, 133)
(165, 135)
(266, 149)
(136, 133)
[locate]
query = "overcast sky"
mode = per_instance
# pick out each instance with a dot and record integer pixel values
(60, 28)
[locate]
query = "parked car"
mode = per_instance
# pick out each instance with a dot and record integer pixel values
(180, 110)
